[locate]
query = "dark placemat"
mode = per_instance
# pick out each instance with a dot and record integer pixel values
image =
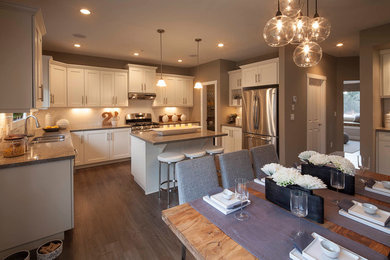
(268, 232)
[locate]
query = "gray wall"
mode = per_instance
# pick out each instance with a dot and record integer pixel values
(293, 82)
(371, 105)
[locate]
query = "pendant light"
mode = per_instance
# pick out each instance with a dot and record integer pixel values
(320, 27)
(291, 8)
(278, 31)
(302, 27)
(161, 81)
(198, 85)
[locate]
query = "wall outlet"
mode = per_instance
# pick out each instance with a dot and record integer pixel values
(292, 117)
(335, 113)
(292, 107)
(294, 99)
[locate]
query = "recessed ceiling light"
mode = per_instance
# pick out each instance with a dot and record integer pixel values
(179, 60)
(85, 11)
(136, 54)
(339, 44)
(77, 45)
(220, 45)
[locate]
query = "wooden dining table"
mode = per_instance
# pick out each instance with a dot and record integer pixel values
(206, 241)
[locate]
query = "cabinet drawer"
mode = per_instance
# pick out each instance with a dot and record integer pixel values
(384, 136)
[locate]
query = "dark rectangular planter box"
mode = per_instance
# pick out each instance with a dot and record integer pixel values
(323, 172)
(281, 197)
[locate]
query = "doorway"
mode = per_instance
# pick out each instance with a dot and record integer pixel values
(209, 109)
(316, 113)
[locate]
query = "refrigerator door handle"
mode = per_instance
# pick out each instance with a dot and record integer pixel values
(256, 113)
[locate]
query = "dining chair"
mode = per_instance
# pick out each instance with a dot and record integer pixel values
(196, 178)
(235, 165)
(262, 155)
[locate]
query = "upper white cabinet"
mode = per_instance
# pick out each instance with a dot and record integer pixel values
(235, 84)
(75, 86)
(385, 73)
(142, 79)
(45, 101)
(107, 88)
(260, 73)
(178, 92)
(57, 83)
(120, 89)
(92, 88)
(21, 58)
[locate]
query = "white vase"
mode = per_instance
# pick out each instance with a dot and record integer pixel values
(165, 118)
(48, 120)
(183, 117)
(175, 118)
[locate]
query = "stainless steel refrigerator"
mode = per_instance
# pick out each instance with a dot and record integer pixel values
(260, 116)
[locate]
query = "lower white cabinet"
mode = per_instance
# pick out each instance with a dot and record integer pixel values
(101, 145)
(233, 141)
(383, 152)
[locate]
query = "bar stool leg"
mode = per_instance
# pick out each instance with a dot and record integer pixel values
(174, 176)
(168, 182)
(159, 179)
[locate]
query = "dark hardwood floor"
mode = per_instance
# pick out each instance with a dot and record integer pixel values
(115, 220)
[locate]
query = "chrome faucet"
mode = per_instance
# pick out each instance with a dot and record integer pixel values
(25, 124)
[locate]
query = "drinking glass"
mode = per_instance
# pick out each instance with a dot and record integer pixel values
(363, 163)
(299, 207)
(337, 181)
(243, 195)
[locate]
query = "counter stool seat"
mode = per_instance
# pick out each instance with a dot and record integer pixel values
(212, 150)
(194, 153)
(168, 158)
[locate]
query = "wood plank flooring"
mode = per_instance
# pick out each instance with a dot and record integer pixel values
(115, 220)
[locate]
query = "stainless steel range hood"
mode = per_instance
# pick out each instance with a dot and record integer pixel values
(142, 96)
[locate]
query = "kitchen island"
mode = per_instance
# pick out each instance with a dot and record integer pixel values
(147, 145)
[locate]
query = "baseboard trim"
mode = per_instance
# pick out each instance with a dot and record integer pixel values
(102, 163)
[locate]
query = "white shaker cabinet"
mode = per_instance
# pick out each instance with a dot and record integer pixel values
(96, 146)
(58, 89)
(92, 88)
(177, 93)
(142, 78)
(260, 73)
(75, 86)
(235, 83)
(120, 144)
(78, 144)
(120, 89)
(385, 73)
(21, 58)
(383, 152)
(233, 141)
(107, 88)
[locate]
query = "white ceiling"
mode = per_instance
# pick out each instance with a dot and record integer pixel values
(117, 28)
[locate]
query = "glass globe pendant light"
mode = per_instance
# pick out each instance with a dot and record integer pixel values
(161, 81)
(198, 84)
(301, 28)
(307, 54)
(278, 31)
(320, 27)
(291, 8)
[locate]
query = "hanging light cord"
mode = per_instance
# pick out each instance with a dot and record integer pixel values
(197, 56)
(161, 55)
(307, 8)
(278, 13)
(316, 14)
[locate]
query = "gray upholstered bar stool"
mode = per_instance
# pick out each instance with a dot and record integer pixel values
(168, 158)
(214, 149)
(194, 153)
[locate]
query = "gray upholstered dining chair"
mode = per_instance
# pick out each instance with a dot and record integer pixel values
(196, 178)
(235, 165)
(262, 155)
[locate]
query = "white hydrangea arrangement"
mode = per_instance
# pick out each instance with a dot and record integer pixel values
(342, 164)
(289, 176)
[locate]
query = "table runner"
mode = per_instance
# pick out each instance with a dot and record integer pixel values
(359, 189)
(267, 234)
(331, 212)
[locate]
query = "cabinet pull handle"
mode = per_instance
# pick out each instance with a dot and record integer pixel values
(41, 88)
(259, 77)
(53, 98)
(108, 136)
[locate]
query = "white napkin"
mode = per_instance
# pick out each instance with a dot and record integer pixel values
(225, 203)
(260, 181)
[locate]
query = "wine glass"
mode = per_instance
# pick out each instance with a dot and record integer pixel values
(299, 207)
(243, 195)
(363, 163)
(337, 181)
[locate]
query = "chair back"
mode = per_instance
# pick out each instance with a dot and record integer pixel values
(262, 155)
(235, 165)
(196, 178)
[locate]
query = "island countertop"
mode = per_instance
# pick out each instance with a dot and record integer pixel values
(154, 138)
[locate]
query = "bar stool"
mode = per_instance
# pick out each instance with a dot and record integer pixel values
(194, 153)
(169, 158)
(214, 149)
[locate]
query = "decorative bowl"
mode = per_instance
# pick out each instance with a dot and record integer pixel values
(51, 129)
(49, 255)
(330, 249)
(369, 208)
(25, 255)
(227, 194)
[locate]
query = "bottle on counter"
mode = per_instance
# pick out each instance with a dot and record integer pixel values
(14, 145)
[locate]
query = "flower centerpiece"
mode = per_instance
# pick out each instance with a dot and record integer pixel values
(281, 180)
(320, 165)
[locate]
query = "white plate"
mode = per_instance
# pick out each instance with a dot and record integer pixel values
(314, 252)
(387, 194)
(225, 203)
(379, 186)
(363, 221)
(379, 218)
(221, 209)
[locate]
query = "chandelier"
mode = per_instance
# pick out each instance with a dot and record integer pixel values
(290, 26)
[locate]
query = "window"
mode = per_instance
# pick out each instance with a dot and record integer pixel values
(18, 116)
(351, 102)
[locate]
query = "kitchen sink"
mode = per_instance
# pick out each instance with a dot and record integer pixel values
(48, 139)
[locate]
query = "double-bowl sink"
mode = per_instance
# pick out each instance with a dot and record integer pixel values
(48, 139)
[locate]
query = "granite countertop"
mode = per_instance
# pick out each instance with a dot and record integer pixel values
(382, 129)
(231, 125)
(95, 127)
(42, 152)
(154, 138)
